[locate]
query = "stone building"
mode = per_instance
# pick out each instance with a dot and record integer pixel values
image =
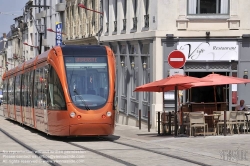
(82, 26)
(213, 35)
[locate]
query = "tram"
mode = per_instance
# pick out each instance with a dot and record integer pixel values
(68, 90)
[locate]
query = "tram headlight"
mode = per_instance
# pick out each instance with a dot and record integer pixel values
(72, 114)
(109, 113)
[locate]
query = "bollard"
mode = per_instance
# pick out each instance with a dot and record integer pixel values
(169, 122)
(159, 118)
(148, 121)
(225, 119)
(139, 119)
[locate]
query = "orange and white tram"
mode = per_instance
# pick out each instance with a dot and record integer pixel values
(65, 91)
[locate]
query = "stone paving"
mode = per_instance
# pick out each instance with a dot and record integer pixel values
(230, 149)
(212, 150)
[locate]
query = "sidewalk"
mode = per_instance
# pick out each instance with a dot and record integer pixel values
(229, 148)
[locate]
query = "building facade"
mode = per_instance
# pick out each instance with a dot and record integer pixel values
(48, 17)
(82, 25)
(213, 35)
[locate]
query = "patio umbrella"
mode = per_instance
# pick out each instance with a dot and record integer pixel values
(175, 82)
(217, 79)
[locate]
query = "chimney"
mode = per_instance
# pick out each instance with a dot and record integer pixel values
(4, 35)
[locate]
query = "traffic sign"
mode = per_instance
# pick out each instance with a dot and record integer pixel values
(176, 59)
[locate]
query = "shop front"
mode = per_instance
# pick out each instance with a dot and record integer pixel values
(205, 57)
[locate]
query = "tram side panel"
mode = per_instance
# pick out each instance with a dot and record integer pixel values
(58, 115)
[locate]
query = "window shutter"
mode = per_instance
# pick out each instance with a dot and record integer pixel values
(192, 5)
(224, 7)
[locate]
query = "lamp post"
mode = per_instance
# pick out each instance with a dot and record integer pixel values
(101, 13)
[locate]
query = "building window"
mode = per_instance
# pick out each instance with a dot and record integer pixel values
(124, 5)
(135, 7)
(208, 7)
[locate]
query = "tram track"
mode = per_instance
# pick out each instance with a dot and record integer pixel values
(34, 151)
(158, 152)
(166, 154)
(103, 154)
(81, 142)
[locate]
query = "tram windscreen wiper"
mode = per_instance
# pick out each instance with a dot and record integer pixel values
(85, 104)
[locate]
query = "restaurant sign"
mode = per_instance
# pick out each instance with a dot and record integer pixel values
(209, 50)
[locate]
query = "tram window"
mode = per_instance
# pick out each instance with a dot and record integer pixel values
(31, 87)
(5, 89)
(40, 91)
(11, 91)
(25, 89)
(17, 90)
(56, 98)
(87, 79)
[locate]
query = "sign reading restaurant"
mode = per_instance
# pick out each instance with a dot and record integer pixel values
(209, 50)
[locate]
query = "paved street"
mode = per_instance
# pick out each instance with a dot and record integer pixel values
(211, 150)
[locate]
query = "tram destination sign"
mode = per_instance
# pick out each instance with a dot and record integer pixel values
(85, 60)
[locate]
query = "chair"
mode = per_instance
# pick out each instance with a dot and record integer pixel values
(165, 120)
(221, 119)
(233, 120)
(197, 119)
(241, 119)
(216, 118)
(186, 121)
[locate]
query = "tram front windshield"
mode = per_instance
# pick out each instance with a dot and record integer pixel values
(87, 79)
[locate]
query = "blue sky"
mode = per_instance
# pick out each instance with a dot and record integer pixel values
(12, 7)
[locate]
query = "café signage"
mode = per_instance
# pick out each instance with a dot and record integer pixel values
(209, 50)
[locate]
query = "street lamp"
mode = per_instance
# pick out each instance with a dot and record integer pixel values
(144, 65)
(133, 65)
(84, 7)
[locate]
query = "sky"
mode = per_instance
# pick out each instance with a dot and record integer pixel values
(12, 7)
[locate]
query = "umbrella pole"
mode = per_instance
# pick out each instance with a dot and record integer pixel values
(175, 115)
(215, 100)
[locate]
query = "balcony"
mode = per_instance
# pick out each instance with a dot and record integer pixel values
(60, 7)
(146, 23)
(115, 28)
(124, 27)
(134, 29)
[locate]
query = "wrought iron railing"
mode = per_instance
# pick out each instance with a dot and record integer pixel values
(115, 26)
(146, 21)
(135, 23)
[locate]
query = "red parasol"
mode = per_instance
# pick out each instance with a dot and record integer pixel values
(175, 82)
